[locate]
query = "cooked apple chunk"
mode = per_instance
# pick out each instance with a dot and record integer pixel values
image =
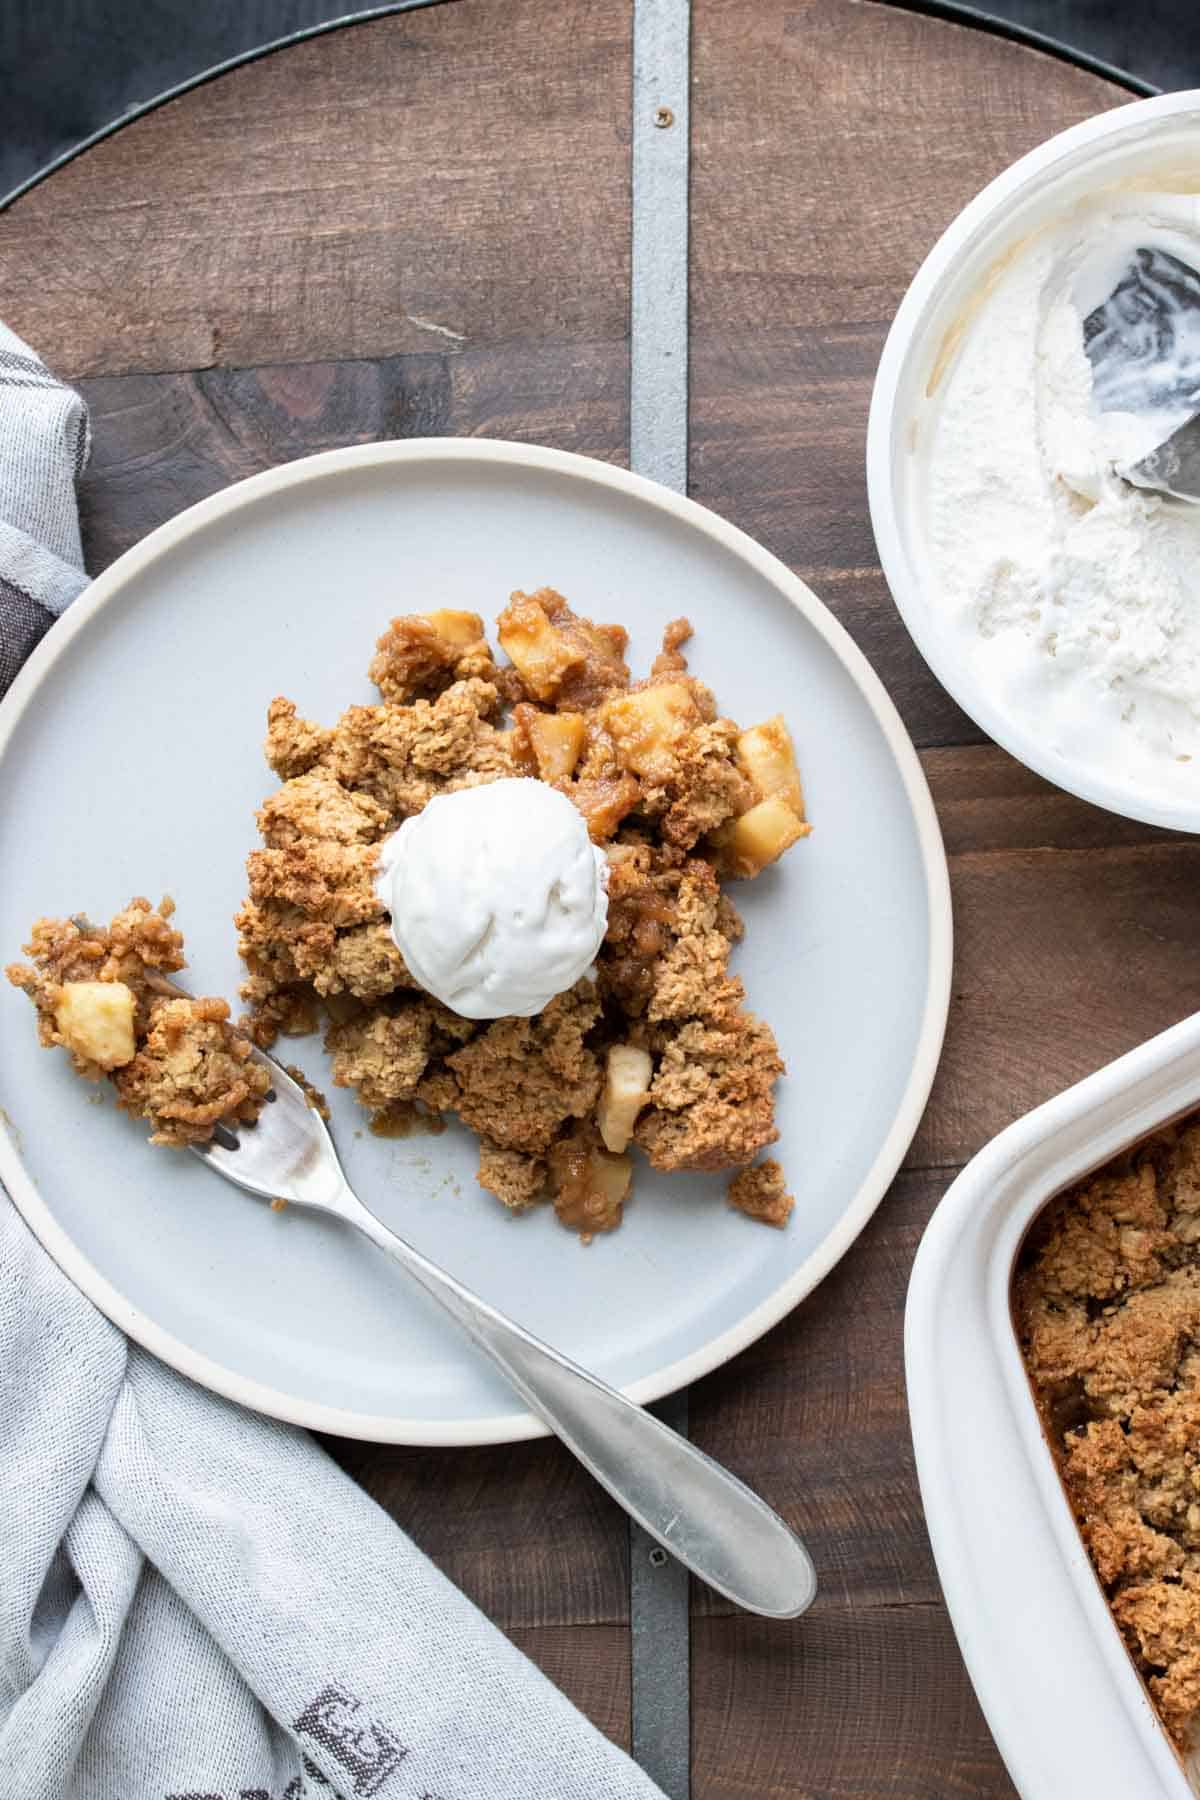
(455, 627)
(590, 1185)
(539, 652)
(750, 844)
(768, 760)
(645, 727)
(556, 740)
(95, 1020)
(627, 1078)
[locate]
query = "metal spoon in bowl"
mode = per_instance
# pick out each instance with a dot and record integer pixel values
(1143, 343)
(697, 1510)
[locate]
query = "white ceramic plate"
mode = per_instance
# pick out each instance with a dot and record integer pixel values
(130, 763)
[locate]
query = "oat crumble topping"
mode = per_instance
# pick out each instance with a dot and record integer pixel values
(104, 994)
(660, 1050)
(761, 1191)
(1107, 1302)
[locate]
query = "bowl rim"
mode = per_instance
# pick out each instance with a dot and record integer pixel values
(904, 339)
(424, 453)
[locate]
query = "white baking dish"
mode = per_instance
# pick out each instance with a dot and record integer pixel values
(1147, 144)
(1063, 1699)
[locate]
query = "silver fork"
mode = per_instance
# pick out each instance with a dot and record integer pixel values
(695, 1509)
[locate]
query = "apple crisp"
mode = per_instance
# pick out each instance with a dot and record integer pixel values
(1107, 1302)
(103, 993)
(659, 1050)
(761, 1192)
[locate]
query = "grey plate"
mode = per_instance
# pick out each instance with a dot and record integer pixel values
(161, 674)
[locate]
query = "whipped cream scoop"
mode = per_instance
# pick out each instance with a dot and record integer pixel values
(1073, 596)
(498, 897)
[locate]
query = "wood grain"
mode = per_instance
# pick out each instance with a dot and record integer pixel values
(832, 143)
(831, 1451)
(866, 1695)
(840, 1706)
(1075, 940)
(348, 197)
(521, 1529)
(164, 441)
(591, 1666)
(420, 226)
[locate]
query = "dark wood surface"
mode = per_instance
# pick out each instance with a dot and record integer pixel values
(65, 73)
(421, 225)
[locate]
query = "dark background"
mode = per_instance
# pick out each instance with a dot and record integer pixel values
(70, 67)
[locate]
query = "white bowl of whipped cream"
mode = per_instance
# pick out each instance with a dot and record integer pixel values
(1058, 604)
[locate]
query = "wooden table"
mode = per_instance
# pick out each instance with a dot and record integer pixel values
(421, 225)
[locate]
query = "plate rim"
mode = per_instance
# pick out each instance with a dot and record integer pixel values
(519, 1425)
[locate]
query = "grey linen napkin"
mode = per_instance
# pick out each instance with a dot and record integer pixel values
(44, 444)
(195, 1603)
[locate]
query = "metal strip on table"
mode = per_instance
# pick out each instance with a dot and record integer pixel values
(660, 1643)
(658, 447)
(658, 374)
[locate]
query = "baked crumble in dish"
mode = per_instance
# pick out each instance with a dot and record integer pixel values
(1107, 1300)
(659, 1050)
(104, 994)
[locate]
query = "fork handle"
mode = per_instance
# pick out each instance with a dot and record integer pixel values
(697, 1510)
